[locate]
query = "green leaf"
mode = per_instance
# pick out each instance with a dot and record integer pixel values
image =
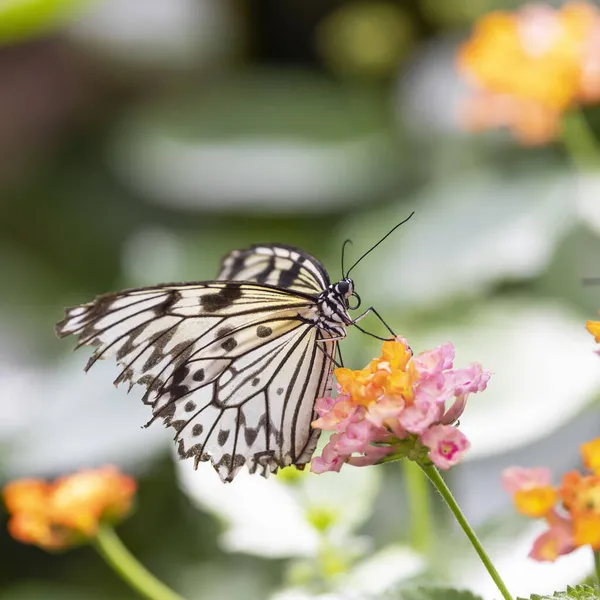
(20, 19)
(578, 592)
(423, 593)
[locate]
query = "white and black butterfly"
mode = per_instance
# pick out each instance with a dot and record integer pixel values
(233, 365)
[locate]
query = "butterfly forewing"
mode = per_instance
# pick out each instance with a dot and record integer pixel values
(233, 366)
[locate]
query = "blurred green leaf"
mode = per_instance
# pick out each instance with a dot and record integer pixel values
(21, 19)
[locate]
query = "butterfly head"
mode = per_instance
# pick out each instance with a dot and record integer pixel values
(344, 289)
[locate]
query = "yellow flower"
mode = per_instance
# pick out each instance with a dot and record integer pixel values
(529, 66)
(59, 514)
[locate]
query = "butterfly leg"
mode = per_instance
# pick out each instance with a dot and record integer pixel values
(374, 311)
(331, 358)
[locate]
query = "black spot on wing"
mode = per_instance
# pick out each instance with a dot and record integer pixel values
(262, 331)
(222, 299)
(229, 344)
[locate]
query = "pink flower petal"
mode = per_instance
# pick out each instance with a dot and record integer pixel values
(447, 445)
(455, 411)
(324, 405)
(470, 380)
(417, 417)
(356, 438)
(520, 478)
(554, 542)
(372, 456)
(435, 361)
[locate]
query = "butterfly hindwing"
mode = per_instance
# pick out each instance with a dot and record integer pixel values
(285, 267)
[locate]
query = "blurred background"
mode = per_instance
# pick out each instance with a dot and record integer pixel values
(141, 140)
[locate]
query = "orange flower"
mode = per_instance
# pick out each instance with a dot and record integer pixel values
(581, 497)
(384, 376)
(576, 521)
(68, 511)
(594, 328)
(529, 66)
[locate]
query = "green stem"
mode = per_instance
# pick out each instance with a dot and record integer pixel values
(419, 505)
(579, 141)
(442, 488)
(597, 564)
(111, 548)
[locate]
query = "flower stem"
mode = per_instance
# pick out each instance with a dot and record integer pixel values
(419, 506)
(597, 564)
(442, 488)
(111, 548)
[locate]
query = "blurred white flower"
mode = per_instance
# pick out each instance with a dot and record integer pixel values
(523, 576)
(166, 33)
(60, 419)
(280, 174)
(467, 234)
(263, 140)
(544, 371)
(430, 90)
(384, 570)
(271, 518)
(380, 573)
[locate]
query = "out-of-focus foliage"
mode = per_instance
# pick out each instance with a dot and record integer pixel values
(141, 140)
(20, 19)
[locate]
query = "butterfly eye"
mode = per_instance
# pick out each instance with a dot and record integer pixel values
(355, 304)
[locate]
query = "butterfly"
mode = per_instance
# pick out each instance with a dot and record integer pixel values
(234, 365)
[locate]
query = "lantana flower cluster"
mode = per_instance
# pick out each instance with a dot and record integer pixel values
(397, 407)
(571, 509)
(528, 67)
(59, 514)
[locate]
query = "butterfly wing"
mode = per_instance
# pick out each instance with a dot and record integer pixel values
(233, 367)
(285, 267)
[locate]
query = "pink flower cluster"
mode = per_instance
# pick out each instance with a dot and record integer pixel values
(397, 405)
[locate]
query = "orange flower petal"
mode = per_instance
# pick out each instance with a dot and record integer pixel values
(587, 530)
(26, 495)
(535, 502)
(590, 453)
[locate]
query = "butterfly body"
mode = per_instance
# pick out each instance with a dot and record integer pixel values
(234, 365)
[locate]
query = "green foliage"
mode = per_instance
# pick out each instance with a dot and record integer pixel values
(423, 593)
(21, 19)
(578, 592)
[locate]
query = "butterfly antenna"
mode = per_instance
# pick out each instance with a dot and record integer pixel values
(379, 242)
(346, 242)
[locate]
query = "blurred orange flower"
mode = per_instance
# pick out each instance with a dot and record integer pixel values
(594, 328)
(528, 67)
(59, 514)
(571, 511)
